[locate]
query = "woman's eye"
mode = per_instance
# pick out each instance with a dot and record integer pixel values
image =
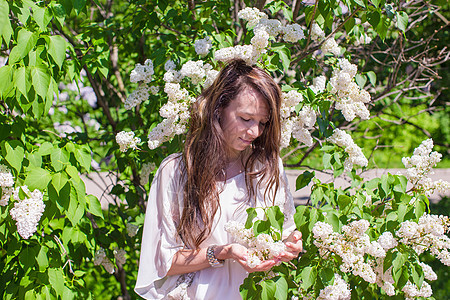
(244, 119)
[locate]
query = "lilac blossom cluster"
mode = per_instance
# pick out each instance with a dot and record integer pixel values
(293, 124)
(339, 290)
(350, 98)
(420, 165)
(428, 234)
(263, 29)
(101, 259)
(6, 184)
(147, 168)
(28, 211)
(126, 140)
(365, 258)
(260, 247)
(355, 154)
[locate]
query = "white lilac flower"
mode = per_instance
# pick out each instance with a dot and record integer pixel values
(132, 229)
(273, 27)
(428, 272)
(420, 165)
(387, 241)
(139, 95)
(363, 39)
(203, 46)
(127, 140)
(340, 290)
(66, 128)
(27, 212)
(316, 32)
(289, 101)
(101, 259)
(252, 15)
(194, 70)
(147, 168)
(287, 126)
(154, 89)
(319, 84)
(322, 230)
(169, 65)
(6, 177)
(350, 98)
(142, 72)
(260, 40)
(260, 248)
(172, 76)
(211, 75)
(344, 140)
(293, 33)
(408, 229)
(411, 290)
(99, 256)
(6, 195)
(245, 52)
(330, 46)
(119, 255)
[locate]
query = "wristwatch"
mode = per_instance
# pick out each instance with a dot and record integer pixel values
(213, 261)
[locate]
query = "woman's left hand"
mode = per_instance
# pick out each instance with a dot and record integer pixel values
(294, 246)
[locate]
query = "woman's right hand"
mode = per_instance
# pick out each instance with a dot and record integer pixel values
(240, 254)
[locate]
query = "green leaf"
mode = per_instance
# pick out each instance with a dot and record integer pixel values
(275, 217)
(42, 259)
(27, 256)
(57, 49)
(59, 12)
(361, 80)
(304, 179)
(94, 206)
(42, 16)
(83, 157)
(45, 149)
(372, 78)
(326, 276)
(59, 180)
(37, 178)
(56, 278)
(5, 24)
(59, 158)
(22, 81)
(308, 276)
(268, 290)
(343, 201)
(35, 159)
(251, 214)
(41, 80)
(6, 77)
(14, 154)
(402, 20)
(26, 41)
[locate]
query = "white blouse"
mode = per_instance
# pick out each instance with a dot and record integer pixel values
(160, 240)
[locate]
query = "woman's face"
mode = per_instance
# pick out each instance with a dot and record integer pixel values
(243, 120)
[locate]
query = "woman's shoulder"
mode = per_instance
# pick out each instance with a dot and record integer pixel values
(171, 166)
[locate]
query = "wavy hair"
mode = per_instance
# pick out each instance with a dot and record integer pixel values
(205, 154)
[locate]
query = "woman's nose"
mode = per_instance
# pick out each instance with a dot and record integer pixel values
(254, 131)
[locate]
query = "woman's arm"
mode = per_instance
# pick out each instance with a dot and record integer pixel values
(187, 260)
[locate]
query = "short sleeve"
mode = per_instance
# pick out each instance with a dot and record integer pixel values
(160, 240)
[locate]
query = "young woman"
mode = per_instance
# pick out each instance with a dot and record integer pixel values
(230, 162)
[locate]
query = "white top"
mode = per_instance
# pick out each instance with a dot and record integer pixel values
(160, 240)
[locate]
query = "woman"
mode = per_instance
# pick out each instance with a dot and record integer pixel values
(230, 162)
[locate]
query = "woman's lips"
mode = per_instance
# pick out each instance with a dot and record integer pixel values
(246, 141)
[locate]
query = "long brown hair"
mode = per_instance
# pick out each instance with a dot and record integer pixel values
(204, 153)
